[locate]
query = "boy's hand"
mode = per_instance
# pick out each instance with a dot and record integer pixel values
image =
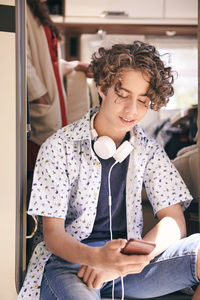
(94, 278)
(109, 258)
(109, 263)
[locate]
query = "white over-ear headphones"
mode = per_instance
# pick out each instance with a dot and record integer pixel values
(105, 147)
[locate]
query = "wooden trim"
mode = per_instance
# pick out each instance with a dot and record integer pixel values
(74, 30)
(80, 28)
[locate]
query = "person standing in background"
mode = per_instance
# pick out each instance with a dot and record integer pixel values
(45, 71)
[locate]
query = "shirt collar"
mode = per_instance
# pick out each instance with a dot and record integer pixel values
(80, 130)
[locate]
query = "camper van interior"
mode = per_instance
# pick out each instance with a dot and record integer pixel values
(172, 26)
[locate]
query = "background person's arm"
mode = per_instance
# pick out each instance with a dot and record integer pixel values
(69, 66)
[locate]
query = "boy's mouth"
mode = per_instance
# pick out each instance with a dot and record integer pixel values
(127, 121)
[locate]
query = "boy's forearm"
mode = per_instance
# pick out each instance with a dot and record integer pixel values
(164, 234)
(65, 246)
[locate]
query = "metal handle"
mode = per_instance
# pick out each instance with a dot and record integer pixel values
(113, 14)
(35, 228)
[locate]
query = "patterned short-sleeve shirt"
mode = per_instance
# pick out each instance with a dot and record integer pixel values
(67, 181)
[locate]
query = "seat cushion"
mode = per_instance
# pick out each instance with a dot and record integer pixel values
(187, 164)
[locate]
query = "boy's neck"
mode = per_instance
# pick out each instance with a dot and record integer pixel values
(103, 130)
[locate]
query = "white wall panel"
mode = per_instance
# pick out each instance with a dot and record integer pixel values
(8, 165)
(134, 8)
(181, 8)
(7, 2)
(138, 11)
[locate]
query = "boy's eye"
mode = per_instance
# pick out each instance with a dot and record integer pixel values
(142, 101)
(122, 94)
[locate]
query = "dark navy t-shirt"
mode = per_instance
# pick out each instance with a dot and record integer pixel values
(101, 228)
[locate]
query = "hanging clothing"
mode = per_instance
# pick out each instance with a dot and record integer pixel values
(44, 75)
(53, 49)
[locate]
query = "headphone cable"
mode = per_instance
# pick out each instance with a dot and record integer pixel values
(111, 234)
(110, 199)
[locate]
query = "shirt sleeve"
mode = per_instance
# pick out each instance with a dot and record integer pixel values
(163, 183)
(50, 189)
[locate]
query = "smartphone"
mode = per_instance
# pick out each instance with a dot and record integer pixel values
(135, 246)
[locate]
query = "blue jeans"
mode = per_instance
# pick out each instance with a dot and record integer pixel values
(172, 270)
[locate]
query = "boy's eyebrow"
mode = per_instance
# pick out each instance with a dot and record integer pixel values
(122, 88)
(126, 90)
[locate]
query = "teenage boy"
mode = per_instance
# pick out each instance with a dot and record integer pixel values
(90, 203)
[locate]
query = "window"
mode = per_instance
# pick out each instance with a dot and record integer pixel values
(183, 58)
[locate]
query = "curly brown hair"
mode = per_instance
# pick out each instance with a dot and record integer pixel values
(108, 66)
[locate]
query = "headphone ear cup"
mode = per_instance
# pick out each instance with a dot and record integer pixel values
(104, 147)
(123, 151)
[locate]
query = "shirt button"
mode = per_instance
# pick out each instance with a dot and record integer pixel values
(36, 286)
(41, 268)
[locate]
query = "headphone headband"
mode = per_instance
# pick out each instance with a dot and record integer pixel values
(93, 132)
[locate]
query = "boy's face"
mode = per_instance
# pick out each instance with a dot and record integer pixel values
(122, 111)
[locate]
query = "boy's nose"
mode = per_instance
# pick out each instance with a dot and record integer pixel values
(132, 106)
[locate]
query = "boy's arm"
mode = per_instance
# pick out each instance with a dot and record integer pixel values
(169, 229)
(107, 258)
(62, 244)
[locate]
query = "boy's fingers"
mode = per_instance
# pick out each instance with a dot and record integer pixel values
(90, 280)
(116, 244)
(81, 271)
(87, 274)
(97, 284)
